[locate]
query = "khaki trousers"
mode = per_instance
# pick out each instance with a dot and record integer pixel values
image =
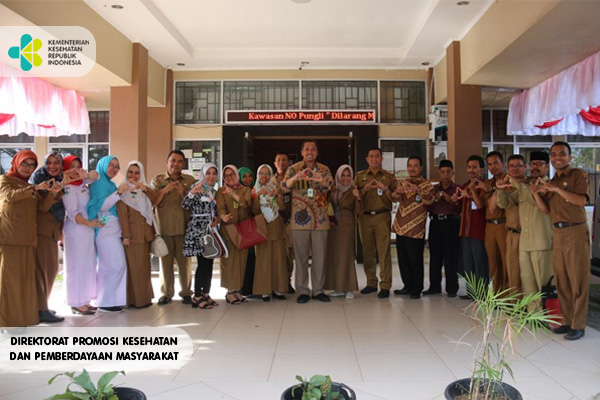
(314, 243)
(375, 233)
(513, 270)
(46, 269)
(495, 246)
(167, 273)
(536, 270)
(571, 262)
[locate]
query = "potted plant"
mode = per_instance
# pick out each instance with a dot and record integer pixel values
(505, 315)
(104, 390)
(318, 387)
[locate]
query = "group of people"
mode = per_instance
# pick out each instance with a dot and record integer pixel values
(517, 231)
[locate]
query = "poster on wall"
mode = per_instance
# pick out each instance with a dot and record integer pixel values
(440, 152)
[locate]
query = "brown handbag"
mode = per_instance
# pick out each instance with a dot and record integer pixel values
(248, 233)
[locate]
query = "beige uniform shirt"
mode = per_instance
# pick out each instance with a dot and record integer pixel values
(536, 230)
(172, 217)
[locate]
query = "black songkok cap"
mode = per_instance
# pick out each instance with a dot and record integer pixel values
(446, 163)
(539, 155)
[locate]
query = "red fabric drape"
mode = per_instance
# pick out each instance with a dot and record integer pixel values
(547, 125)
(5, 117)
(592, 116)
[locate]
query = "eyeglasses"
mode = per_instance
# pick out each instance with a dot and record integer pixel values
(114, 166)
(229, 175)
(28, 165)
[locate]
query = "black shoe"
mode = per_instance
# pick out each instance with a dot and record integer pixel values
(114, 309)
(47, 316)
(291, 289)
(399, 292)
(303, 298)
(165, 300)
(415, 296)
(186, 299)
(562, 329)
(252, 296)
(278, 296)
(368, 289)
(465, 297)
(451, 295)
(266, 299)
(575, 334)
(383, 293)
(322, 297)
(429, 291)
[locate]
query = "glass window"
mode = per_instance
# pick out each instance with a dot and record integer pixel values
(506, 150)
(499, 122)
(486, 117)
(261, 95)
(339, 95)
(99, 126)
(6, 156)
(535, 139)
(65, 151)
(198, 102)
(202, 151)
(402, 102)
(402, 149)
(20, 138)
(588, 159)
(581, 138)
(69, 139)
(95, 153)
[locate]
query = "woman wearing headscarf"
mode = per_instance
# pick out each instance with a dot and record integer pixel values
(18, 239)
(49, 233)
(135, 218)
(78, 239)
(247, 179)
(233, 205)
(202, 203)
(341, 267)
(112, 265)
(271, 274)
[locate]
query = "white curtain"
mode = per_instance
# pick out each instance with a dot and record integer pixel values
(562, 96)
(39, 108)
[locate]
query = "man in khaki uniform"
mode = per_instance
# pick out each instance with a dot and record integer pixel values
(172, 186)
(506, 198)
(375, 186)
(565, 197)
(495, 227)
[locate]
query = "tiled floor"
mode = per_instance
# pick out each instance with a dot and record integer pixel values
(393, 349)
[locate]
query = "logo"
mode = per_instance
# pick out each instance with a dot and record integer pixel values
(27, 52)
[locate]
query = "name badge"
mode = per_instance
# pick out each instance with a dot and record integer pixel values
(473, 205)
(310, 193)
(206, 198)
(379, 192)
(235, 205)
(418, 198)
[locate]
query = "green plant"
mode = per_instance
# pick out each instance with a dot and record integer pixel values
(505, 315)
(318, 387)
(104, 390)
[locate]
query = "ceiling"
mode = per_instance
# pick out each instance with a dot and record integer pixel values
(280, 34)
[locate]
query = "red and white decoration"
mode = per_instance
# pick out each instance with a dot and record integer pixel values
(39, 108)
(566, 104)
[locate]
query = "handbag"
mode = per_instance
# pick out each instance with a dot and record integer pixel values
(248, 233)
(550, 302)
(210, 247)
(158, 246)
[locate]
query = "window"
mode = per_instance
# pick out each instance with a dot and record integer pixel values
(402, 102)
(11, 145)
(199, 152)
(90, 148)
(397, 151)
(261, 95)
(339, 95)
(198, 102)
(588, 159)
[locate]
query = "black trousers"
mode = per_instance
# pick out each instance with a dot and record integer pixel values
(474, 258)
(249, 273)
(203, 277)
(410, 262)
(444, 247)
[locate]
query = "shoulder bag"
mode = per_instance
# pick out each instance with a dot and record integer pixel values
(158, 247)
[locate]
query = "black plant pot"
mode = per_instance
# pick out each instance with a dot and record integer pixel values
(461, 387)
(125, 393)
(294, 394)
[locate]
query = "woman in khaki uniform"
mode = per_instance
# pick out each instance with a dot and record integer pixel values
(270, 275)
(18, 239)
(49, 232)
(135, 218)
(233, 203)
(341, 267)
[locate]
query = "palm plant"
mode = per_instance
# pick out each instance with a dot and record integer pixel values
(505, 315)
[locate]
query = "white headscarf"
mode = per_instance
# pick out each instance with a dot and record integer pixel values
(341, 189)
(209, 189)
(268, 203)
(137, 199)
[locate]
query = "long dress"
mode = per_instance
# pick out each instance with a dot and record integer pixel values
(80, 251)
(234, 266)
(112, 265)
(271, 272)
(18, 239)
(139, 270)
(341, 268)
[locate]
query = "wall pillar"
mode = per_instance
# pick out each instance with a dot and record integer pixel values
(160, 132)
(464, 115)
(128, 109)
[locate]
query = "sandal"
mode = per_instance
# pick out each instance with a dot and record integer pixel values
(83, 310)
(210, 300)
(231, 298)
(239, 297)
(91, 307)
(200, 302)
